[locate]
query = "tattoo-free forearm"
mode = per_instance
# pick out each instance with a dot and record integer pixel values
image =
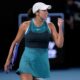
(60, 37)
(10, 51)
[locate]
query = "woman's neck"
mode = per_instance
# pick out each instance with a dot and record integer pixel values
(38, 21)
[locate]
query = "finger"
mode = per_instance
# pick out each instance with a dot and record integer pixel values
(6, 69)
(60, 19)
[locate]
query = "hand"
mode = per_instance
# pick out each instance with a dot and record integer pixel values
(60, 22)
(6, 66)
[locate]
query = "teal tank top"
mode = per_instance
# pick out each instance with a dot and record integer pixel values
(37, 37)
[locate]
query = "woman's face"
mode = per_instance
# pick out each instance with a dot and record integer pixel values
(43, 14)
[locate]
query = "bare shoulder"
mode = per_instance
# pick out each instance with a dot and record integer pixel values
(51, 26)
(24, 25)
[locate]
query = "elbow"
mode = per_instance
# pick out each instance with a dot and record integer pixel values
(60, 44)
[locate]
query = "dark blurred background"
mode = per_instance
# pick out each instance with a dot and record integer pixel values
(68, 56)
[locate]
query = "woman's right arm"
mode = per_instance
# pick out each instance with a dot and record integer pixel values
(17, 39)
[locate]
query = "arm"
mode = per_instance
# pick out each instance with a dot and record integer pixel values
(57, 36)
(17, 39)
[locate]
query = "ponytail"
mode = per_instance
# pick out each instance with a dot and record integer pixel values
(30, 14)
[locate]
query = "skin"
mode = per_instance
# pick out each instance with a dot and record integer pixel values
(38, 20)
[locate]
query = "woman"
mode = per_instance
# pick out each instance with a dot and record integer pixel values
(34, 61)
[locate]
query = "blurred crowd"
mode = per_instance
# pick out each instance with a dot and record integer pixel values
(72, 30)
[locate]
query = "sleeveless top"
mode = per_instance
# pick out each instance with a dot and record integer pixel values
(37, 37)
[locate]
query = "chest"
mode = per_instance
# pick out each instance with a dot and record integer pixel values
(39, 37)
